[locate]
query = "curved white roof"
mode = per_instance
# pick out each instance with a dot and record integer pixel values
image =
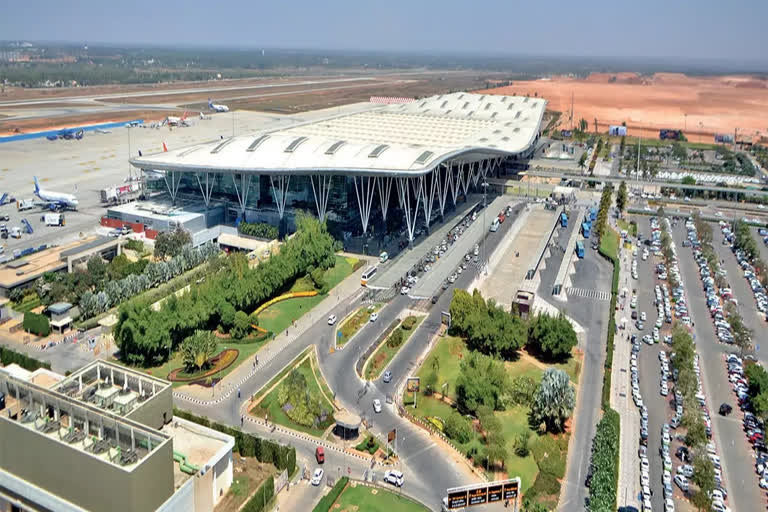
(406, 138)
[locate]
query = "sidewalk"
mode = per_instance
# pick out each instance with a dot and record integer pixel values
(246, 370)
(629, 464)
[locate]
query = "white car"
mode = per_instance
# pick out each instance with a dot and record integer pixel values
(669, 505)
(376, 405)
(317, 476)
(331, 319)
(404, 290)
(374, 317)
(394, 477)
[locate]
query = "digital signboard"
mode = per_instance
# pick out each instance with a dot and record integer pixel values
(480, 494)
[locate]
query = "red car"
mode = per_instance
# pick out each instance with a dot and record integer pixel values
(502, 217)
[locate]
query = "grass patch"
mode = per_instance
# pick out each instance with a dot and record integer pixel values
(278, 317)
(370, 444)
(384, 354)
(572, 366)
(449, 351)
(515, 423)
(354, 323)
(270, 406)
(609, 242)
(27, 304)
(359, 498)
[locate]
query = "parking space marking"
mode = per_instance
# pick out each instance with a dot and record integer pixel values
(588, 294)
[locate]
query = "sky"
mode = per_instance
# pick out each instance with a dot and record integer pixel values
(700, 29)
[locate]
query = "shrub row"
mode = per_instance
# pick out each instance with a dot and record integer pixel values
(606, 393)
(258, 230)
(605, 464)
(37, 324)
(247, 445)
(8, 356)
(261, 497)
(327, 501)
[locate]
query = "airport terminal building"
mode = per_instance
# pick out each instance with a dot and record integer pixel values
(407, 163)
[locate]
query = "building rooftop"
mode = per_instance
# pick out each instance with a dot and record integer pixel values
(59, 308)
(198, 445)
(402, 139)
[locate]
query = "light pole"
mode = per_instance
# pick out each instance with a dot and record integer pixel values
(485, 225)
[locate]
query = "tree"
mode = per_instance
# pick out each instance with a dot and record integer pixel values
(487, 327)
(169, 243)
(583, 161)
(241, 326)
(554, 401)
(521, 445)
(696, 434)
(481, 381)
(552, 337)
(97, 268)
(522, 390)
(430, 383)
(198, 349)
(583, 125)
(621, 197)
(458, 428)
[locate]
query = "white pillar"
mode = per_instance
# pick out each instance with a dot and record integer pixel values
(280, 192)
(364, 193)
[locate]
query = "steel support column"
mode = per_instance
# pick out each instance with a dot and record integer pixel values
(242, 195)
(404, 194)
(208, 190)
(280, 192)
(385, 188)
(364, 193)
(322, 190)
(442, 187)
(429, 191)
(480, 170)
(173, 187)
(467, 178)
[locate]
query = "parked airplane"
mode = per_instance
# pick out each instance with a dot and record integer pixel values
(55, 199)
(176, 121)
(217, 108)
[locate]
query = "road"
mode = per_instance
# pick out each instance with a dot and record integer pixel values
(735, 453)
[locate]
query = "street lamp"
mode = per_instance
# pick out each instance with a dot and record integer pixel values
(485, 224)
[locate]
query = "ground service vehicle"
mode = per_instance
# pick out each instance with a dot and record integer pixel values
(563, 220)
(53, 219)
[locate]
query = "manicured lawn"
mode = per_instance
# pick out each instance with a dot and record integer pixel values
(514, 422)
(384, 354)
(278, 317)
(28, 303)
(572, 367)
(630, 228)
(523, 368)
(449, 351)
(271, 407)
(609, 242)
(368, 499)
(354, 323)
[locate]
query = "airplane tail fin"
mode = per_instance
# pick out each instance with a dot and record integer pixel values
(210, 103)
(165, 147)
(37, 185)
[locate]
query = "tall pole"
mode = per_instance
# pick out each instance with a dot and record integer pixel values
(129, 150)
(233, 123)
(485, 224)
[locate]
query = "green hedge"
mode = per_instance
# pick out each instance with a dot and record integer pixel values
(8, 356)
(327, 501)
(258, 230)
(605, 464)
(247, 445)
(606, 394)
(261, 497)
(37, 324)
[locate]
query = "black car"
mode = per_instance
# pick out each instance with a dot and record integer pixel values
(5, 218)
(434, 299)
(725, 409)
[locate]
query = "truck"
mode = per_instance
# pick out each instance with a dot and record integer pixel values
(53, 219)
(580, 249)
(16, 232)
(119, 193)
(593, 214)
(25, 204)
(563, 220)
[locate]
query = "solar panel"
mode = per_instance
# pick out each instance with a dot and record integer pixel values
(378, 150)
(335, 147)
(295, 144)
(221, 146)
(257, 142)
(424, 157)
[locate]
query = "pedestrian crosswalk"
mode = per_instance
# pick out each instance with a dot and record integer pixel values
(589, 294)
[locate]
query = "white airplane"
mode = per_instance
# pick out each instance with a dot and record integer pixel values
(217, 108)
(55, 199)
(176, 121)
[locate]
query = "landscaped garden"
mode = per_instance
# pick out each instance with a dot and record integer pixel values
(390, 347)
(353, 323)
(298, 400)
(372, 499)
(506, 409)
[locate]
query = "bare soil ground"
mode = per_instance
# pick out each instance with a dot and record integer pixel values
(248, 473)
(700, 106)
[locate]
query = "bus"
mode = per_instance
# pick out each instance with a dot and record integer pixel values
(367, 275)
(563, 220)
(586, 227)
(579, 248)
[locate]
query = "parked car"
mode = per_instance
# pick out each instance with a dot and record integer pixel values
(317, 476)
(331, 319)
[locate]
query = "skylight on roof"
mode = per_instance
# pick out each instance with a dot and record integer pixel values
(503, 99)
(444, 104)
(494, 115)
(257, 142)
(221, 146)
(466, 104)
(517, 116)
(298, 141)
(424, 157)
(378, 150)
(487, 106)
(335, 147)
(510, 106)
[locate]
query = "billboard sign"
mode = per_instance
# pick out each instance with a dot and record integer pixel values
(566, 133)
(480, 494)
(412, 384)
(724, 138)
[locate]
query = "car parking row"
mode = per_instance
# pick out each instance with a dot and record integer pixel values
(761, 298)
